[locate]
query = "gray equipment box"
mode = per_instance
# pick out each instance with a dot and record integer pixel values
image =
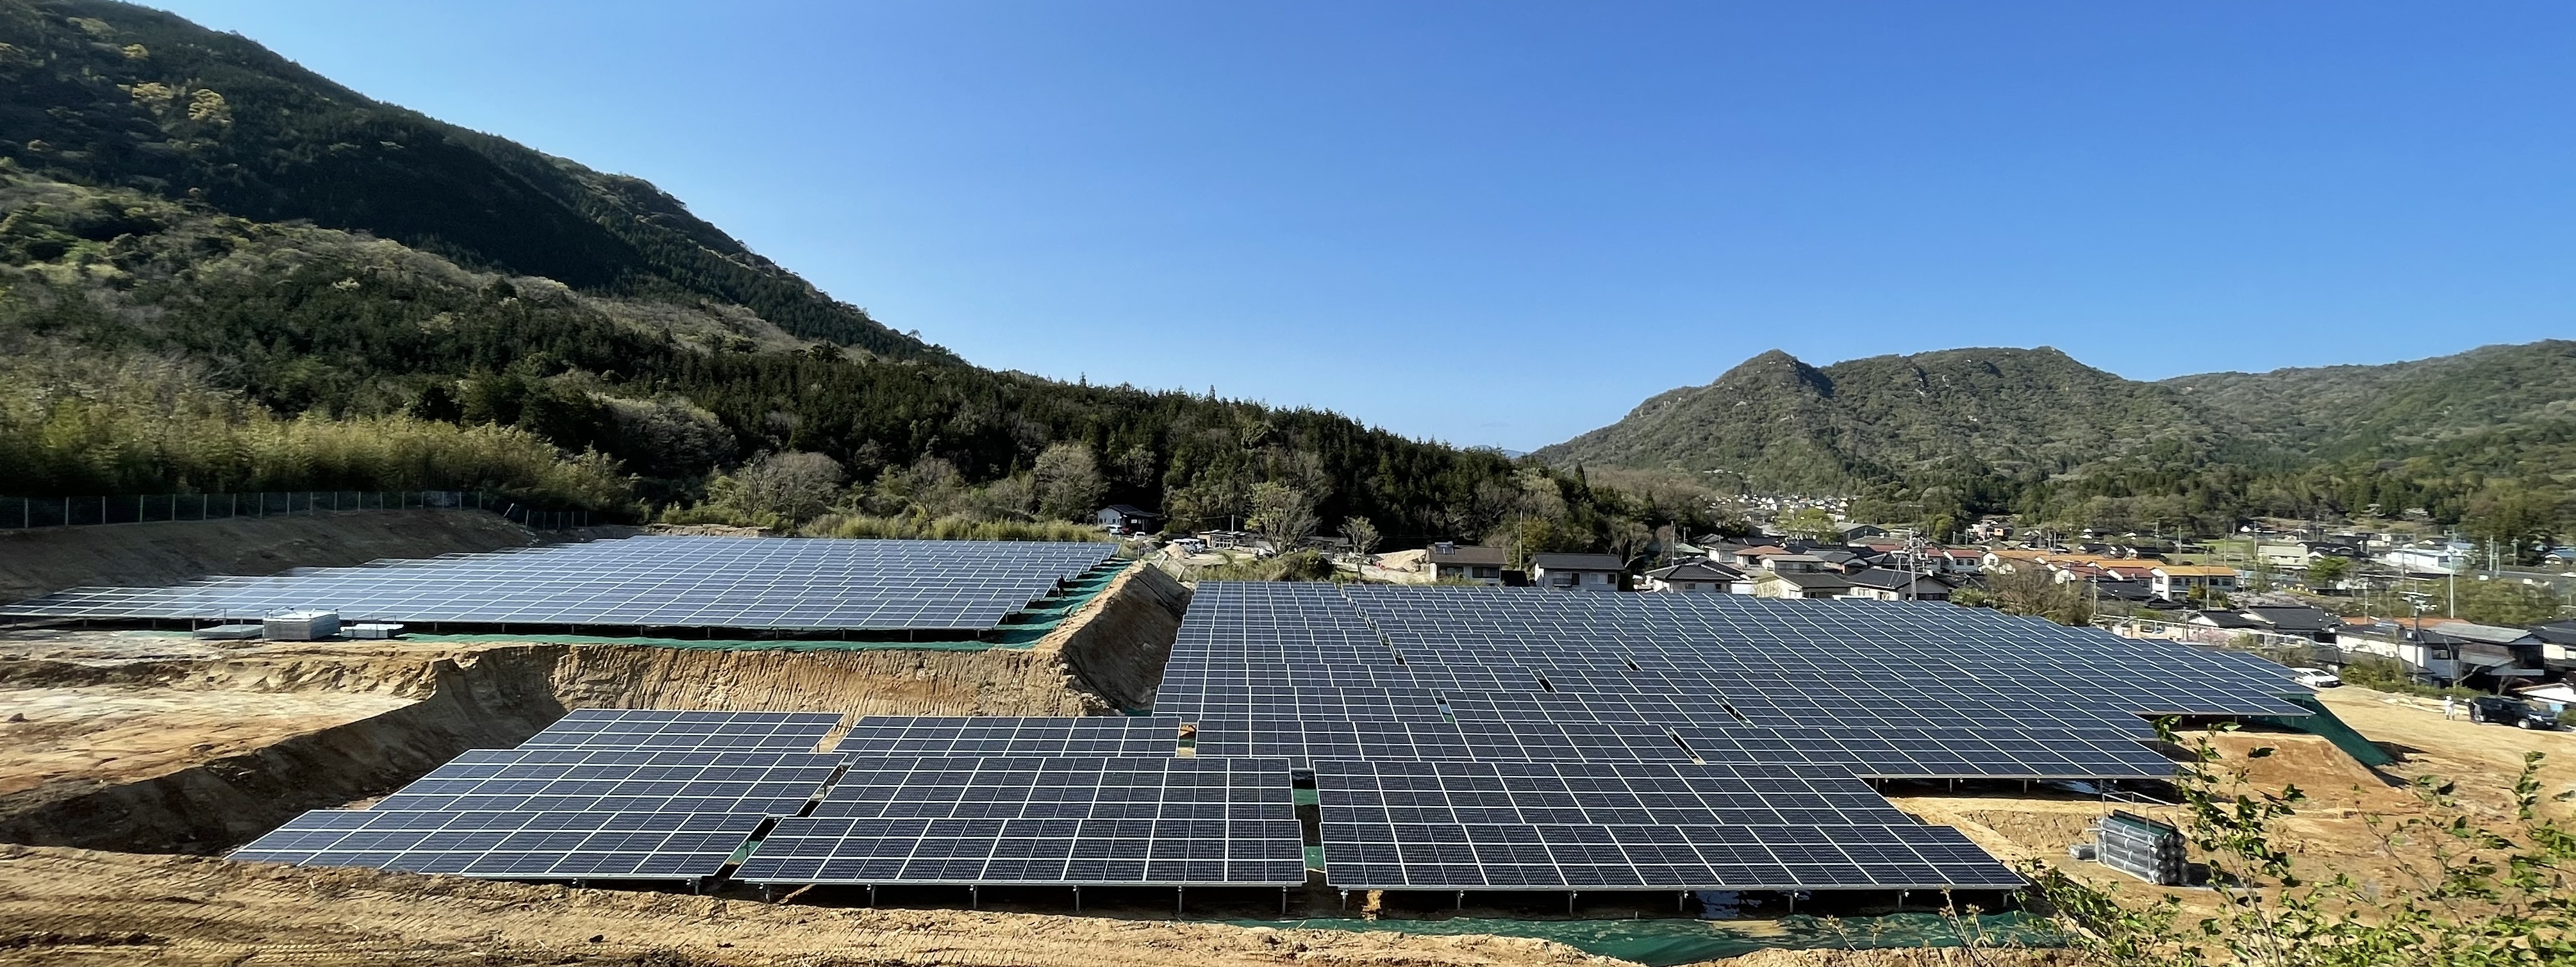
(303, 626)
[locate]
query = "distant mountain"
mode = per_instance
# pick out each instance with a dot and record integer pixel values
(112, 93)
(1788, 425)
(2034, 430)
(2339, 411)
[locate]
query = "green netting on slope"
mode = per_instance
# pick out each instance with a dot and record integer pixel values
(2322, 721)
(1667, 941)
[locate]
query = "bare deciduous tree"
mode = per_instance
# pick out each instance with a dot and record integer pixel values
(1362, 535)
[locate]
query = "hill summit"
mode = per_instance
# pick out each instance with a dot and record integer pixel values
(1788, 425)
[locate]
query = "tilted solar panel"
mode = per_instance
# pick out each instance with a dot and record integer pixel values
(794, 584)
(511, 845)
(1162, 821)
(672, 730)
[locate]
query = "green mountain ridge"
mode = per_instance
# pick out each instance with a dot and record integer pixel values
(2033, 430)
(117, 94)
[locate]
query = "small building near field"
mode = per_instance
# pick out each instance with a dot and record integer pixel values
(1699, 577)
(1123, 519)
(1578, 572)
(1466, 562)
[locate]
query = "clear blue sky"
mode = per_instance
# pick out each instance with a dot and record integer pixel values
(1506, 224)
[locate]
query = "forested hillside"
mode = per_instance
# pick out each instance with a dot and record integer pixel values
(2487, 437)
(218, 271)
(119, 94)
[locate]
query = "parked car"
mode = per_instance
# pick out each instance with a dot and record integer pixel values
(2515, 712)
(2315, 677)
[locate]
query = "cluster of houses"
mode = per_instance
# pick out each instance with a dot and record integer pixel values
(1863, 564)
(1785, 569)
(2435, 651)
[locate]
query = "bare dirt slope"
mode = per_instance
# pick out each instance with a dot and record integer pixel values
(47, 559)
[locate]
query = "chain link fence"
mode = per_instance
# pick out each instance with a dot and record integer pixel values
(23, 513)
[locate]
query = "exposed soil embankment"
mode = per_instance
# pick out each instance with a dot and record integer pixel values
(48, 559)
(248, 740)
(494, 699)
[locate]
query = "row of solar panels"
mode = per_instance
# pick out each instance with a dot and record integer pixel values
(753, 583)
(678, 795)
(1863, 688)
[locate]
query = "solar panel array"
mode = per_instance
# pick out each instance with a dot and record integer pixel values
(1880, 689)
(546, 778)
(882, 735)
(652, 795)
(1494, 738)
(666, 730)
(511, 845)
(803, 584)
(1166, 821)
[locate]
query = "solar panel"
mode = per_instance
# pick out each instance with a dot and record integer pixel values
(803, 584)
(1499, 738)
(687, 730)
(1170, 821)
(1891, 690)
(1412, 825)
(511, 845)
(1115, 735)
(575, 779)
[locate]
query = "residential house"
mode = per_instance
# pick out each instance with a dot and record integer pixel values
(2313, 624)
(2557, 644)
(2225, 621)
(1748, 557)
(2502, 652)
(2282, 554)
(1861, 532)
(1800, 584)
(1123, 519)
(1836, 558)
(2446, 651)
(1956, 560)
(2124, 592)
(1798, 564)
(2005, 560)
(2447, 557)
(1466, 562)
(1579, 572)
(1885, 584)
(2175, 582)
(1702, 577)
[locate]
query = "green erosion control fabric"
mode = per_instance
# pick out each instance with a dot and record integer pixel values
(1666, 941)
(2321, 721)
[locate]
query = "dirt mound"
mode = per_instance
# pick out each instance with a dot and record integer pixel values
(62, 907)
(48, 559)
